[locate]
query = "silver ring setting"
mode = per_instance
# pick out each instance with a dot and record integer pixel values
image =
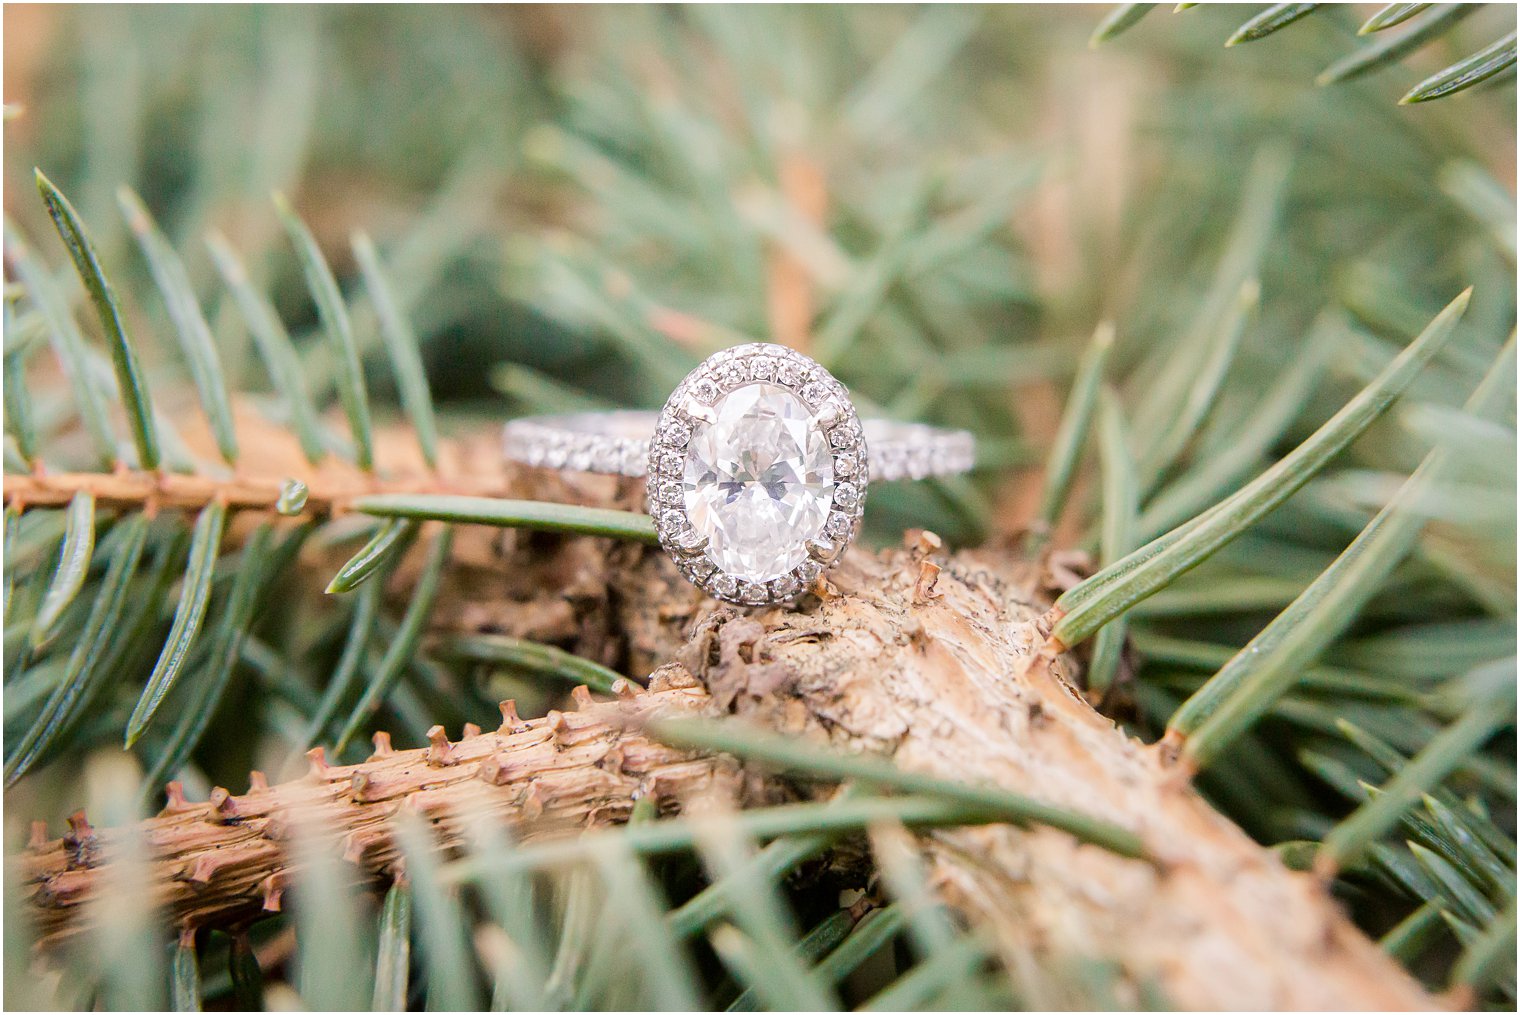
(799, 458)
(757, 469)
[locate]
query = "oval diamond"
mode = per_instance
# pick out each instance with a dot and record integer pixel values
(758, 481)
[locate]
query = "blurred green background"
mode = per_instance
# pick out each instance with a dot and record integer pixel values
(580, 202)
(576, 204)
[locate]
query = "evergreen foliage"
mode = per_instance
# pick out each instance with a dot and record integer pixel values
(1288, 451)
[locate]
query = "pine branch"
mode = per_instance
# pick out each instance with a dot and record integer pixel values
(1495, 59)
(948, 687)
(227, 860)
(683, 211)
(325, 495)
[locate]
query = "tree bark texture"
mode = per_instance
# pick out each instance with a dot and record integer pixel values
(933, 659)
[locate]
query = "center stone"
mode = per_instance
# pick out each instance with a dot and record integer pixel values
(758, 481)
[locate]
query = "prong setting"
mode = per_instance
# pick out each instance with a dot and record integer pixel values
(829, 414)
(825, 553)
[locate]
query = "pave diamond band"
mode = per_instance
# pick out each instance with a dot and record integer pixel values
(757, 467)
(617, 442)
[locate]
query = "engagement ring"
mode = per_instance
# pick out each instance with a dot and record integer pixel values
(757, 467)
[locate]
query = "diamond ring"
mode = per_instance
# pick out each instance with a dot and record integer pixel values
(757, 467)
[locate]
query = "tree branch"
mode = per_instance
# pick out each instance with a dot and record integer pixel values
(229, 860)
(934, 662)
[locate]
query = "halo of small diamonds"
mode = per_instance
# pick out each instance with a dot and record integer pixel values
(829, 414)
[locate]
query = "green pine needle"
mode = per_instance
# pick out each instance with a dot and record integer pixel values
(870, 935)
(1488, 62)
(1179, 391)
(339, 331)
(196, 593)
(360, 629)
(919, 988)
(66, 339)
(748, 964)
(403, 647)
(1390, 49)
(91, 648)
(1393, 14)
(332, 967)
(1491, 955)
(393, 954)
(1117, 21)
(1121, 585)
(758, 943)
(190, 325)
(1195, 402)
(134, 390)
(1245, 447)
(446, 953)
(533, 658)
(73, 564)
(401, 345)
(541, 515)
(770, 863)
(20, 417)
(508, 899)
(185, 973)
(1269, 664)
(244, 974)
(1121, 498)
(1413, 934)
(223, 650)
(1071, 435)
(1274, 18)
(1468, 903)
(669, 979)
(1345, 843)
(274, 346)
(392, 535)
(789, 755)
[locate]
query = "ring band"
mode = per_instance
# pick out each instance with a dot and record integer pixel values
(616, 442)
(757, 467)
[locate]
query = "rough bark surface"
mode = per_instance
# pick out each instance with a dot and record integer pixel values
(936, 661)
(226, 861)
(954, 683)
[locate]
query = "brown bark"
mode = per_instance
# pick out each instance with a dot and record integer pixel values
(228, 860)
(956, 684)
(937, 664)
